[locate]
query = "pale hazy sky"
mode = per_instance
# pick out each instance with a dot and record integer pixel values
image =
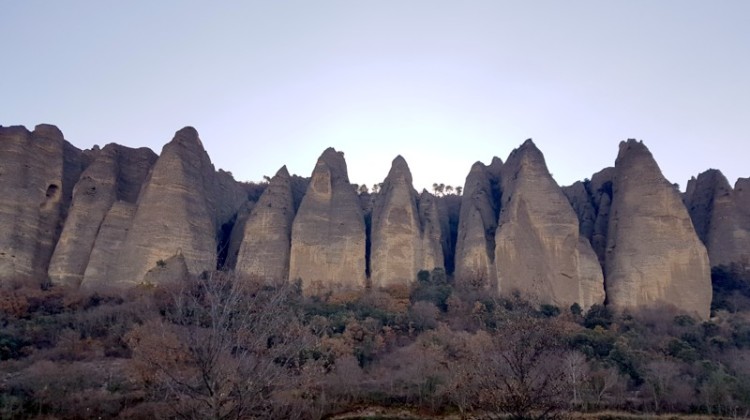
(442, 83)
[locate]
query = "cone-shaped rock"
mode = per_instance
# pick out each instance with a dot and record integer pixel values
(400, 248)
(538, 249)
(37, 172)
(654, 255)
(719, 219)
(117, 173)
(328, 233)
(181, 210)
(475, 245)
(264, 252)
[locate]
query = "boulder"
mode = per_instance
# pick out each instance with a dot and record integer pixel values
(328, 233)
(654, 255)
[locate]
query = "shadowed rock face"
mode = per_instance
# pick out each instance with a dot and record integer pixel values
(475, 245)
(117, 173)
(400, 245)
(654, 255)
(328, 233)
(592, 201)
(37, 172)
(538, 250)
(180, 211)
(266, 242)
(432, 232)
(719, 218)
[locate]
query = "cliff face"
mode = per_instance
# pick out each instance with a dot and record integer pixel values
(538, 250)
(406, 234)
(328, 233)
(117, 217)
(38, 170)
(721, 217)
(653, 254)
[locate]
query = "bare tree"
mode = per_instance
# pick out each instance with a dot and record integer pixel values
(223, 349)
(526, 376)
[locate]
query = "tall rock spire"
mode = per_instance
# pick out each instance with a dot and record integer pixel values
(178, 217)
(538, 250)
(475, 244)
(266, 242)
(328, 233)
(400, 245)
(654, 256)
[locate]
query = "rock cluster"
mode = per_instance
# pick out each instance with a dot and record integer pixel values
(721, 216)
(642, 235)
(116, 217)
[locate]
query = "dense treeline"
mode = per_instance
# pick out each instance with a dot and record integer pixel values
(225, 347)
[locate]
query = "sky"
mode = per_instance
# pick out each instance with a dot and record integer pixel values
(442, 83)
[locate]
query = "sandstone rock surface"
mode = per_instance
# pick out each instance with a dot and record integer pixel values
(719, 218)
(180, 211)
(328, 233)
(117, 173)
(538, 249)
(37, 172)
(400, 245)
(475, 244)
(266, 243)
(592, 201)
(654, 255)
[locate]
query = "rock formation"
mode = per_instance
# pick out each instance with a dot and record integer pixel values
(653, 255)
(720, 218)
(433, 233)
(117, 173)
(117, 217)
(266, 242)
(538, 249)
(37, 173)
(328, 233)
(180, 211)
(400, 245)
(591, 201)
(475, 245)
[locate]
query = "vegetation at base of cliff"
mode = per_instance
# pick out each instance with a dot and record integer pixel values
(220, 346)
